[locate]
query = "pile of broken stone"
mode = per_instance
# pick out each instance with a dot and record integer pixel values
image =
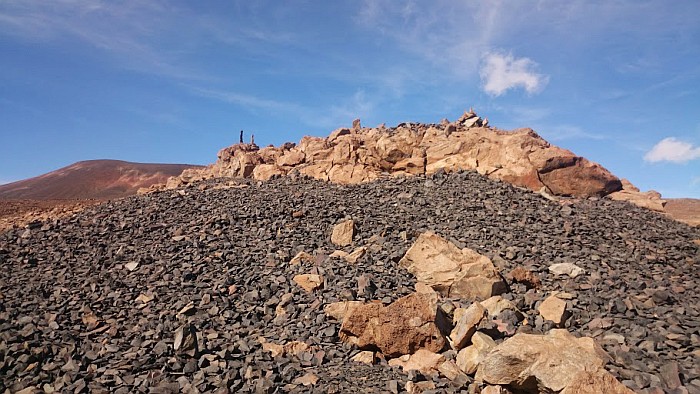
(199, 290)
(457, 325)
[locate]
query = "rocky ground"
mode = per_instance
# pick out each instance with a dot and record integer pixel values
(180, 289)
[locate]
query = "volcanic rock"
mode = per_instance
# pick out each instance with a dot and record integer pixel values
(520, 157)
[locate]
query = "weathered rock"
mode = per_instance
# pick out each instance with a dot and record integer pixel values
(308, 379)
(338, 310)
(356, 255)
(422, 360)
(419, 387)
(553, 308)
(526, 277)
(570, 269)
(362, 154)
(495, 390)
(466, 326)
(403, 327)
(301, 257)
(497, 304)
(452, 272)
(365, 357)
(451, 371)
(594, 382)
(534, 363)
(309, 282)
(343, 233)
(650, 200)
(468, 359)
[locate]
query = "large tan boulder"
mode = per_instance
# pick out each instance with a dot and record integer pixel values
(545, 363)
(452, 271)
(403, 327)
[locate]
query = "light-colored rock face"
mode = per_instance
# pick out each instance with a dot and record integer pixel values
(554, 309)
(362, 154)
(400, 328)
(650, 200)
(452, 271)
(497, 304)
(466, 326)
(594, 382)
(570, 269)
(541, 363)
(309, 282)
(343, 232)
(422, 360)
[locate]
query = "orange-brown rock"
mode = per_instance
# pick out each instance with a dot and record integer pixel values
(364, 154)
(650, 199)
(403, 327)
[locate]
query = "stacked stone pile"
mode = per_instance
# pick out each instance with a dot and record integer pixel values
(446, 283)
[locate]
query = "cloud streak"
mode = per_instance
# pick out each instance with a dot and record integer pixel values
(502, 72)
(672, 150)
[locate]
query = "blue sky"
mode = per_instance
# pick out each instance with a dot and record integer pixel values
(174, 81)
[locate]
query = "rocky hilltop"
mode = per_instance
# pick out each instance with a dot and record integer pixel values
(357, 154)
(445, 283)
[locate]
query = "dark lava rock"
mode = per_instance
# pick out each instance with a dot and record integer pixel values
(177, 290)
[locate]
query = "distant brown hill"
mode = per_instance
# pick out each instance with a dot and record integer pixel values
(92, 179)
(686, 210)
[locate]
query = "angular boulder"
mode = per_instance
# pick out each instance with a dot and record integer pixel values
(543, 363)
(451, 271)
(403, 327)
(343, 232)
(466, 325)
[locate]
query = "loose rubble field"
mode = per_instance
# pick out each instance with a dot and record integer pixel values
(179, 289)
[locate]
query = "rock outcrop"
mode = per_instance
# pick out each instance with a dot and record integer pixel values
(452, 271)
(361, 154)
(650, 199)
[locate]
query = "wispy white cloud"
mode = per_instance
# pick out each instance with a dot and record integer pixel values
(359, 105)
(501, 72)
(569, 132)
(143, 36)
(673, 150)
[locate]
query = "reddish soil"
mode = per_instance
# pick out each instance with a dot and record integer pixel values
(70, 189)
(93, 179)
(686, 210)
